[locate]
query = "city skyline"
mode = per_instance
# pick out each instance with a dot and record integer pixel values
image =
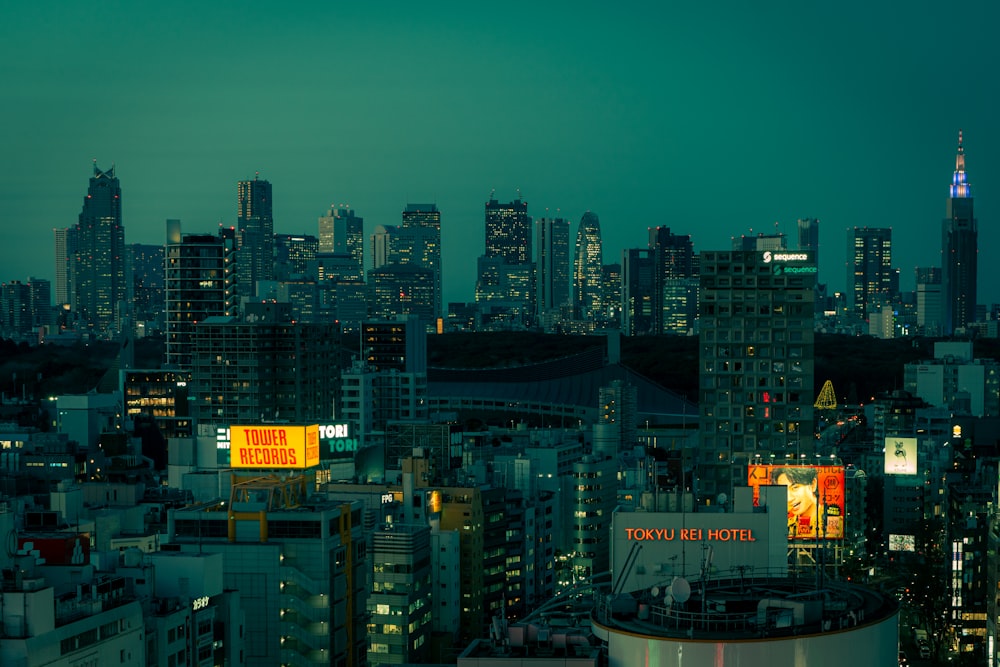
(714, 126)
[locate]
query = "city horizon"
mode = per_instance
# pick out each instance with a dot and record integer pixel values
(636, 121)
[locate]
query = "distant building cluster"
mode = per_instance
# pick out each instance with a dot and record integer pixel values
(295, 484)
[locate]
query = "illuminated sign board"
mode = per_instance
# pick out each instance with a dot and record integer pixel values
(770, 256)
(900, 456)
(336, 441)
(690, 534)
(199, 603)
(902, 542)
(272, 446)
(815, 497)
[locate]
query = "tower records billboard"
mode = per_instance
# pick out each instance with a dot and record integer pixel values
(272, 446)
(900, 456)
(815, 497)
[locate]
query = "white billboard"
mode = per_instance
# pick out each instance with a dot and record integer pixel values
(900, 456)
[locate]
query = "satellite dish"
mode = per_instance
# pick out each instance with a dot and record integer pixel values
(722, 498)
(680, 589)
(655, 591)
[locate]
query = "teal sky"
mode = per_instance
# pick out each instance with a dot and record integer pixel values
(715, 119)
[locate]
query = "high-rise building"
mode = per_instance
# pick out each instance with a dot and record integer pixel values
(756, 362)
(254, 234)
(98, 261)
(145, 289)
(638, 285)
(399, 290)
(551, 264)
(930, 302)
(588, 263)
(508, 231)
(425, 250)
(264, 367)
(675, 297)
(293, 254)
(299, 562)
(400, 602)
(65, 244)
(959, 250)
(809, 238)
(870, 273)
(198, 284)
(504, 280)
(342, 232)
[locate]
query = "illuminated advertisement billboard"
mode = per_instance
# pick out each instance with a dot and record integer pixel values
(337, 441)
(902, 542)
(272, 446)
(900, 456)
(815, 497)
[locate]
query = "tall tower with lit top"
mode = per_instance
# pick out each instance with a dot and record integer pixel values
(98, 263)
(959, 250)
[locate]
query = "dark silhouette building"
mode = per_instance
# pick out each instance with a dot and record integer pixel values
(959, 250)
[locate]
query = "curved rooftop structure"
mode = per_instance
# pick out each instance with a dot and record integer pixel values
(749, 620)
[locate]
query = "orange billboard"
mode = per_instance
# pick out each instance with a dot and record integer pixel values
(815, 497)
(272, 446)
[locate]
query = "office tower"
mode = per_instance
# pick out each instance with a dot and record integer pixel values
(342, 232)
(422, 224)
(870, 272)
(551, 264)
(263, 367)
(809, 238)
(504, 279)
(638, 287)
(98, 260)
(930, 301)
(146, 289)
(400, 602)
(65, 244)
(198, 284)
(40, 295)
(508, 231)
(959, 251)
(254, 234)
(587, 267)
(676, 291)
(398, 290)
(611, 294)
(293, 254)
(756, 363)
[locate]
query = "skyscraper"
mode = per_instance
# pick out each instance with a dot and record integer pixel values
(959, 250)
(508, 231)
(504, 277)
(427, 252)
(756, 362)
(638, 284)
(551, 264)
(197, 284)
(342, 232)
(254, 235)
(675, 298)
(588, 267)
(809, 238)
(930, 307)
(870, 274)
(99, 288)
